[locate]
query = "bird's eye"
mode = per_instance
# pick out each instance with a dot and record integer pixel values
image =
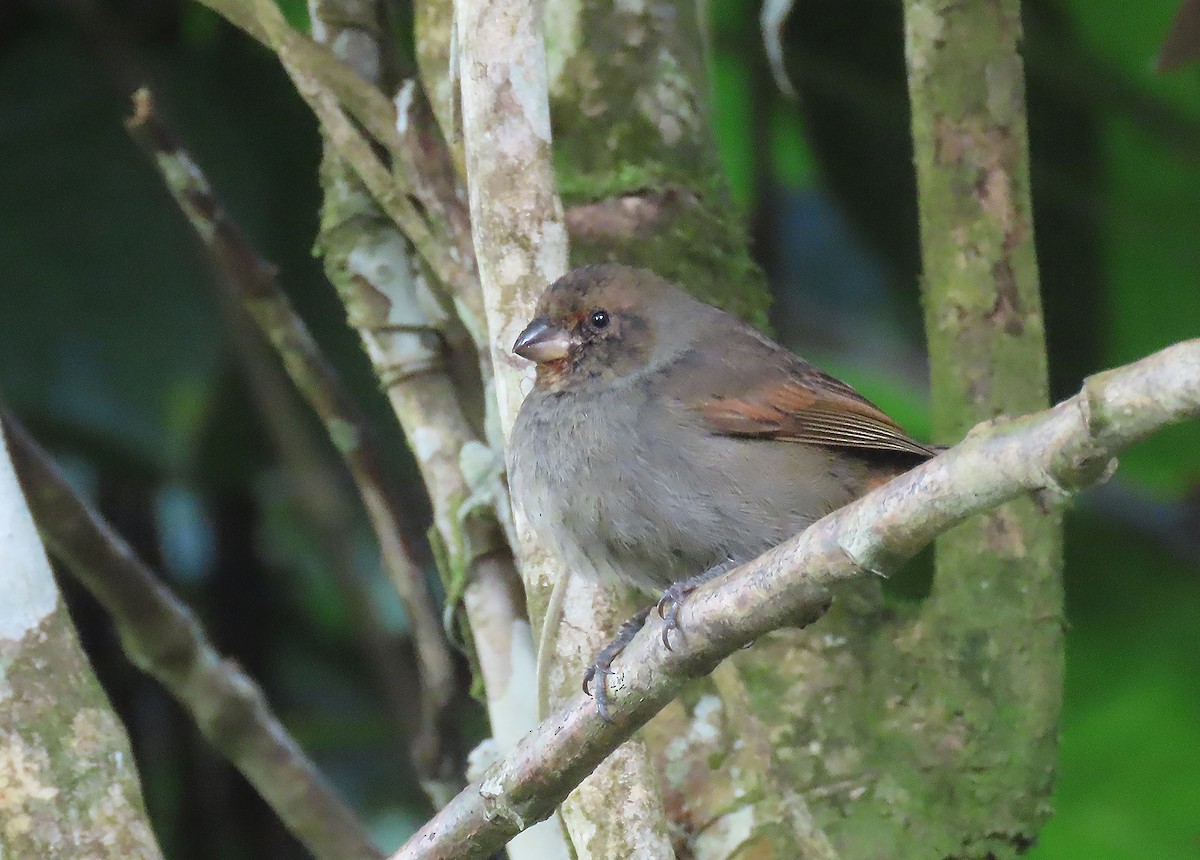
(599, 320)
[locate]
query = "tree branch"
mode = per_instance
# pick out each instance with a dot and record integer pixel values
(1055, 452)
(254, 284)
(68, 784)
(520, 243)
(389, 301)
(162, 637)
(998, 579)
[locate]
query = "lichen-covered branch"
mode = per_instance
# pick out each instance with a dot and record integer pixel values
(408, 334)
(68, 785)
(997, 579)
(1054, 452)
(163, 638)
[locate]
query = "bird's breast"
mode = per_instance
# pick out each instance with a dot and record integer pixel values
(632, 486)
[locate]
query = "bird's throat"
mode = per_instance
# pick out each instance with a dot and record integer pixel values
(553, 375)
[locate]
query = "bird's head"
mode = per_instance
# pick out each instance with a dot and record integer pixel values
(597, 325)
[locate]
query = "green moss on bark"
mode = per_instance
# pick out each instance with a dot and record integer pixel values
(991, 648)
(68, 787)
(629, 109)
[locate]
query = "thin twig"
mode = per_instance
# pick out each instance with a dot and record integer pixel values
(162, 637)
(255, 285)
(1055, 452)
(327, 504)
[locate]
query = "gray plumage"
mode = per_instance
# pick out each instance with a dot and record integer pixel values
(675, 438)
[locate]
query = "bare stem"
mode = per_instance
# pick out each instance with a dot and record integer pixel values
(520, 241)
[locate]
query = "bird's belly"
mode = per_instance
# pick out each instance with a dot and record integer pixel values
(653, 508)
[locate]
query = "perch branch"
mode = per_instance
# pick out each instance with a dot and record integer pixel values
(163, 638)
(1056, 452)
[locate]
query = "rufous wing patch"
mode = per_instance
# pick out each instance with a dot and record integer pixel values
(811, 408)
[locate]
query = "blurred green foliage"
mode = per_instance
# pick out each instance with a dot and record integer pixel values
(112, 350)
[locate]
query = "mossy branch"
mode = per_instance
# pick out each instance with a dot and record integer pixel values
(997, 580)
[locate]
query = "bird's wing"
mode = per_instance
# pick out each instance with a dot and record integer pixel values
(754, 388)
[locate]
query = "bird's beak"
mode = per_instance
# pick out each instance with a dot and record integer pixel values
(543, 341)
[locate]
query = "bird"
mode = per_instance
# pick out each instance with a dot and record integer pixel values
(666, 441)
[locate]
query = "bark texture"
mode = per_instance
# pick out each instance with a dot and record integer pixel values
(68, 785)
(634, 148)
(992, 633)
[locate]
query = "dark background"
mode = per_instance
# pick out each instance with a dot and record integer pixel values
(113, 352)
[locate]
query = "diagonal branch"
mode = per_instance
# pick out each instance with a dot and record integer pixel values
(1055, 452)
(163, 638)
(254, 283)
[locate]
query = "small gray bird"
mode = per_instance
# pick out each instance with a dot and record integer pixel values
(666, 441)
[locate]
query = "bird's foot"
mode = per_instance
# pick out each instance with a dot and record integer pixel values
(601, 667)
(673, 597)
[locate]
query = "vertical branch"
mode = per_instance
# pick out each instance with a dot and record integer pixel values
(389, 299)
(521, 246)
(68, 787)
(994, 647)
(516, 215)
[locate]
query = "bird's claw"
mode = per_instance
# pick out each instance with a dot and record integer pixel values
(668, 610)
(601, 667)
(599, 671)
